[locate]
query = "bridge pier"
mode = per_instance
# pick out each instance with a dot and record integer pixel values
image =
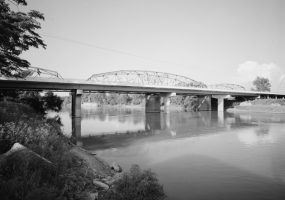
(153, 102)
(221, 98)
(166, 101)
(76, 112)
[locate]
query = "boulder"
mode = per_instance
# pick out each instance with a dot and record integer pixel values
(97, 165)
(22, 152)
(21, 158)
(100, 184)
(92, 196)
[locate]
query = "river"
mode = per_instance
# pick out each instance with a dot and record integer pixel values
(199, 155)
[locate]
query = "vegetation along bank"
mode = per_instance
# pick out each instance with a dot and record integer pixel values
(261, 105)
(38, 162)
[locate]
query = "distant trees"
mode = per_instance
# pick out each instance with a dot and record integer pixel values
(40, 103)
(112, 98)
(17, 34)
(261, 84)
(189, 103)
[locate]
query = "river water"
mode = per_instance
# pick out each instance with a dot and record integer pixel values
(201, 155)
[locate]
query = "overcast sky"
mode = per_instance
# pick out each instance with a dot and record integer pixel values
(213, 41)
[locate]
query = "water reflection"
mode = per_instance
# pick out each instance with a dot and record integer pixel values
(202, 155)
(135, 124)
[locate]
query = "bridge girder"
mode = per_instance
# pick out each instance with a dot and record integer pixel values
(145, 78)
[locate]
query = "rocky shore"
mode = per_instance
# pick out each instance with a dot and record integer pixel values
(102, 174)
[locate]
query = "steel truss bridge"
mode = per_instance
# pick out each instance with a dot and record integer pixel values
(135, 81)
(156, 85)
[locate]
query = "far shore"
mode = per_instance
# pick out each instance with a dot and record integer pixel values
(273, 109)
(124, 106)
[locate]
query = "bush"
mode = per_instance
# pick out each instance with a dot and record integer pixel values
(136, 185)
(20, 179)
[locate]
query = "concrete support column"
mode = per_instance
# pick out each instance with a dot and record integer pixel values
(221, 98)
(76, 113)
(166, 101)
(152, 103)
(76, 103)
(221, 104)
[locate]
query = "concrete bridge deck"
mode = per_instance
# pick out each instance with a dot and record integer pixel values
(87, 86)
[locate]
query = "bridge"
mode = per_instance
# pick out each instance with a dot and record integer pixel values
(158, 87)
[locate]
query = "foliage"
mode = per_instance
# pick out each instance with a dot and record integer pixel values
(34, 99)
(18, 34)
(18, 180)
(52, 102)
(137, 99)
(136, 185)
(189, 103)
(110, 99)
(261, 84)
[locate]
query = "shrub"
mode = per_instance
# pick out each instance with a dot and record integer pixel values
(20, 179)
(136, 185)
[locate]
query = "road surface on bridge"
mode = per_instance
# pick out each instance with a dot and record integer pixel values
(87, 86)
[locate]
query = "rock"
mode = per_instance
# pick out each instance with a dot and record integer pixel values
(97, 165)
(100, 184)
(116, 167)
(21, 156)
(109, 180)
(23, 153)
(16, 147)
(93, 196)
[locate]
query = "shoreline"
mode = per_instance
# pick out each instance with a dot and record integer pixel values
(172, 107)
(270, 109)
(236, 110)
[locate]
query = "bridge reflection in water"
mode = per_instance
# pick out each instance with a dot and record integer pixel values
(106, 130)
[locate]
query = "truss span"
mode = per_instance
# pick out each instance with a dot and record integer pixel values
(40, 73)
(227, 86)
(145, 78)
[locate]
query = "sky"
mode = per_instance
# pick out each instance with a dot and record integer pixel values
(213, 41)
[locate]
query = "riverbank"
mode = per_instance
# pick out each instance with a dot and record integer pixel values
(38, 162)
(260, 106)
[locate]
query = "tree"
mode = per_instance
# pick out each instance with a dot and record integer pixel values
(17, 34)
(261, 84)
